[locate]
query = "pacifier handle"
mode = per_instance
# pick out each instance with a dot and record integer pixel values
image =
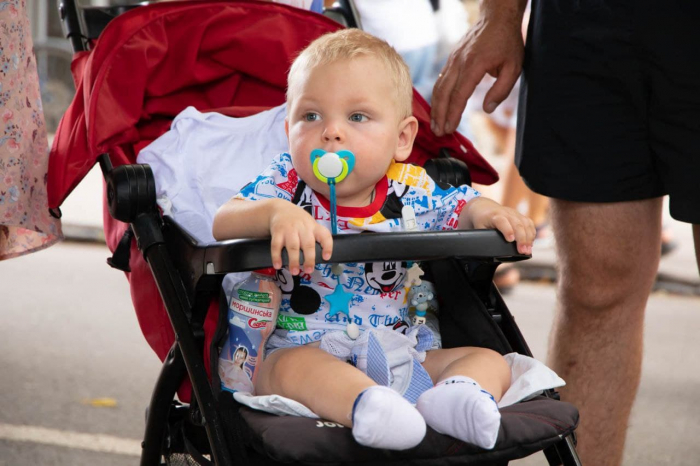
(332, 168)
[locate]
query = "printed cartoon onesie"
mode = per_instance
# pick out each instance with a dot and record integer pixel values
(378, 292)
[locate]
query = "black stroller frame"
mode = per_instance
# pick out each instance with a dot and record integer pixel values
(188, 274)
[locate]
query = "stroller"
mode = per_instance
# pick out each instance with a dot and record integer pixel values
(151, 62)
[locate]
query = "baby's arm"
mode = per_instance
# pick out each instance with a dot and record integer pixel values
(481, 212)
(290, 226)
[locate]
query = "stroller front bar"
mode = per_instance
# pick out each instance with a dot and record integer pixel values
(131, 194)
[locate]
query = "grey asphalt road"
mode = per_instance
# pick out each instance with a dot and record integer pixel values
(69, 337)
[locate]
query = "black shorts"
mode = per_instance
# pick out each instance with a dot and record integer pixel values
(610, 102)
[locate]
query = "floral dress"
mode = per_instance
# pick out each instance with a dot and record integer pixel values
(25, 222)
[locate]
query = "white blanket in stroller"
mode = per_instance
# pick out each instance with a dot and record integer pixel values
(206, 158)
(529, 377)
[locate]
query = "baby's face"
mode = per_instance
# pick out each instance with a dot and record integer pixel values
(351, 105)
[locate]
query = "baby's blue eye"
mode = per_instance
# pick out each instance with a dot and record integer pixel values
(358, 117)
(311, 116)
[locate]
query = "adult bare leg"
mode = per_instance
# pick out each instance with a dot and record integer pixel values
(608, 259)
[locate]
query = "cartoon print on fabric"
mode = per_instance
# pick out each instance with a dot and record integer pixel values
(442, 185)
(385, 276)
(303, 299)
(292, 182)
(305, 201)
(286, 281)
(393, 205)
(379, 294)
(400, 326)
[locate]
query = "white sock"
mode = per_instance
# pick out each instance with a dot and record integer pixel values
(381, 418)
(459, 408)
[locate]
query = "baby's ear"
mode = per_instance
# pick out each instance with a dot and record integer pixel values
(408, 129)
(286, 127)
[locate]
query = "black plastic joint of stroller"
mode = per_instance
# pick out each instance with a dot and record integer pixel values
(131, 190)
(121, 257)
(344, 12)
(131, 198)
(70, 22)
(448, 169)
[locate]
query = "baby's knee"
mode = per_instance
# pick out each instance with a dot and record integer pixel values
(278, 368)
(288, 367)
(497, 364)
(484, 365)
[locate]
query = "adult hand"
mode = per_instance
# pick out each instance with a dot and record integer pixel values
(494, 45)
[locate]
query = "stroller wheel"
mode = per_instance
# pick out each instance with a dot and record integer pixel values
(180, 459)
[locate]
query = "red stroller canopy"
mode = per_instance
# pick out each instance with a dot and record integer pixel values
(152, 62)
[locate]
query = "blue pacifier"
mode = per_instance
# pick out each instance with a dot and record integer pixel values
(332, 168)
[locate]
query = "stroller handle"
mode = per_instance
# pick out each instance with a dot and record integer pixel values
(479, 245)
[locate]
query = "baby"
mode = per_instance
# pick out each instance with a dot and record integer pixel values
(348, 91)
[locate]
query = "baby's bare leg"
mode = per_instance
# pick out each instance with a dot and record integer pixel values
(335, 390)
(485, 366)
(461, 403)
(314, 378)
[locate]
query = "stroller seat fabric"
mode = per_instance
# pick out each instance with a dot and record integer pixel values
(525, 428)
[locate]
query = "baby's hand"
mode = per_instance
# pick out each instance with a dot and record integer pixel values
(293, 228)
(485, 213)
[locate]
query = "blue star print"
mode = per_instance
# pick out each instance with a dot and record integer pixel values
(339, 301)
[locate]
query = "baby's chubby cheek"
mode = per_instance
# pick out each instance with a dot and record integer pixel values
(302, 165)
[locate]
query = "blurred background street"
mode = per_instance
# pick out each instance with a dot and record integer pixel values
(77, 374)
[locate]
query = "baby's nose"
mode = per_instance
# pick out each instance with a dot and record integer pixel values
(332, 132)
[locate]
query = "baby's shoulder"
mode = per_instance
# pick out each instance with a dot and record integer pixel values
(409, 175)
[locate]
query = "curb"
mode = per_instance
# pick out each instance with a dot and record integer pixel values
(83, 234)
(529, 271)
(543, 273)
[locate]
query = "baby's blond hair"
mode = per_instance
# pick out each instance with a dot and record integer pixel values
(350, 43)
